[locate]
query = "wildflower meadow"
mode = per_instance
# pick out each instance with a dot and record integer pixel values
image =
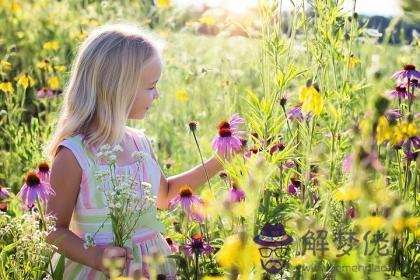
(312, 113)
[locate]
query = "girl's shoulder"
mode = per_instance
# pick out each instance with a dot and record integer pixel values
(140, 136)
(76, 145)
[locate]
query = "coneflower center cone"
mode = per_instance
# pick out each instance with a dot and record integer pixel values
(32, 179)
(185, 192)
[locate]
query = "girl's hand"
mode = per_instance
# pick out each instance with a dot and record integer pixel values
(113, 258)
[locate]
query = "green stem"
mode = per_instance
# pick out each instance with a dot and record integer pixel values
(202, 161)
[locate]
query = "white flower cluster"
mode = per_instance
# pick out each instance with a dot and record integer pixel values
(138, 155)
(126, 199)
(108, 154)
(89, 241)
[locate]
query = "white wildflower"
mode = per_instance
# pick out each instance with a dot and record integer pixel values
(138, 155)
(117, 149)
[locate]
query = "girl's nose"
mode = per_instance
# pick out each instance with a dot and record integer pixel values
(156, 95)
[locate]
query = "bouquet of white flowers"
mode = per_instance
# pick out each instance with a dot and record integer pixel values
(126, 201)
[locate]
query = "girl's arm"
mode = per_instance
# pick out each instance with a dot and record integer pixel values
(195, 177)
(65, 179)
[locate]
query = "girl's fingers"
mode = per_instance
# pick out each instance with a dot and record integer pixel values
(129, 253)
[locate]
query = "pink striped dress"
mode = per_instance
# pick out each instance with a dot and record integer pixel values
(90, 212)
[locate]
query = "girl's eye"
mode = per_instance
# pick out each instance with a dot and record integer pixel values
(151, 88)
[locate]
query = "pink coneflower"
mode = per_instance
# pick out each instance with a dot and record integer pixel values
(174, 247)
(3, 192)
(33, 188)
(228, 139)
(188, 201)
(197, 246)
(294, 187)
(409, 71)
(44, 172)
(236, 194)
(44, 92)
(399, 92)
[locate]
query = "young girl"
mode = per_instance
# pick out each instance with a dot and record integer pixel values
(113, 79)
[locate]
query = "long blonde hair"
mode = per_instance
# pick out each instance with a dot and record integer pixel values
(104, 80)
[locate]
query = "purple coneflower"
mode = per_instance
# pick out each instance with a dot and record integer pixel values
(188, 201)
(229, 139)
(413, 142)
(236, 194)
(33, 188)
(174, 247)
(197, 246)
(393, 114)
(409, 71)
(288, 164)
(295, 114)
(3, 206)
(347, 162)
(414, 83)
(399, 92)
(3, 192)
(294, 187)
(44, 92)
(251, 151)
(44, 172)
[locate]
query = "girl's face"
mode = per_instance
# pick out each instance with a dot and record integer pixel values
(148, 93)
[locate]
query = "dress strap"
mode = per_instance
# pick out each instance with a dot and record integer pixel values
(75, 144)
(140, 141)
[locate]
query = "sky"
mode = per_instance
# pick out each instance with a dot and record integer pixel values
(365, 7)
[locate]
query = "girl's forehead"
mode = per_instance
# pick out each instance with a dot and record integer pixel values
(152, 70)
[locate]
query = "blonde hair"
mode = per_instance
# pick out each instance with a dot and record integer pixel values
(104, 80)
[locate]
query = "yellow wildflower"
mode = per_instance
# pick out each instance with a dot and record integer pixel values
(7, 87)
(25, 80)
(60, 68)
(353, 61)
(208, 20)
(51, 45)
(373, 223)
(53, 82)
(163, 4)
(164, 34)
(5, 65)
(45, 64)
(411, 223)
(347, 193)
(182, 95)
(15, 8)
(301, 260)
(236, 254)
(20, 34)
(312, 101)
(404, 130)
(383, 130)
(79, 35)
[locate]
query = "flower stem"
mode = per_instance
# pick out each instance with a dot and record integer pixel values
(202, 161)
(196, 266)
